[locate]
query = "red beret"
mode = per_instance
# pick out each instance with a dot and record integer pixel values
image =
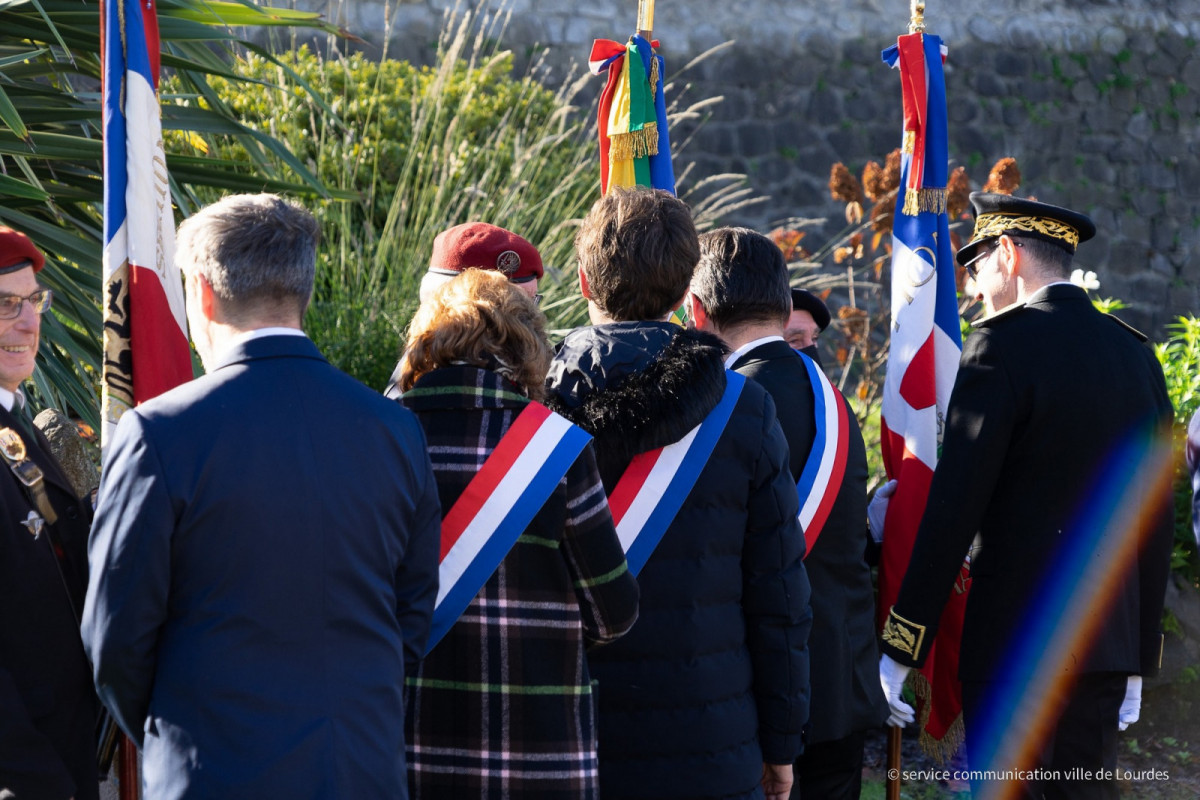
(483, 246)
(18, 251)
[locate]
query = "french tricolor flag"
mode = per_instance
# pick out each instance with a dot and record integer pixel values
(925, 349)
(146, 341)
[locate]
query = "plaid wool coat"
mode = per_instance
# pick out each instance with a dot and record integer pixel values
(503, 705)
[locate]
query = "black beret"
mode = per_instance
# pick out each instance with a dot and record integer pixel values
(807, 301)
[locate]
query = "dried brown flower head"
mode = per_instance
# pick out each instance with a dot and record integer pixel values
(1004, 178)
(958, 193)
(872, 181)
(855, 323)
(843, 185)
(891, 171)
(882, 214)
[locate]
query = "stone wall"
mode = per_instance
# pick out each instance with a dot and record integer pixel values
(1098, 101)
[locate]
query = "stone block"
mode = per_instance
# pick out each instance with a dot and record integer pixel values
(988, 84)
(849, 142)
(754, 140)
(1164, 233)
(1174, 46)
(1010, 64)
(1015, 115)
(1111, 40)
(1128, 258)
(1160, 177)
(1189, 179)
(1085, 93)
(860, 106)
(1139, 126)
(1125, 152)
(1147, 203)
(824, 106)
(1135, 228)
(1035, 90)
(986, 28)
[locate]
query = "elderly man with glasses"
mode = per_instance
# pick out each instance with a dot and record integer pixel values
(48, 708)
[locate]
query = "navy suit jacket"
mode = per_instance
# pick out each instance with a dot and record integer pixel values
(264, 566)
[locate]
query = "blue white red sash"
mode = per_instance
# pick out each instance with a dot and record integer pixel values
(498, 504)
(821, 479)
(655, 484)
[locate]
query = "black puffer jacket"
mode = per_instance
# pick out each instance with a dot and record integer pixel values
(713, 679)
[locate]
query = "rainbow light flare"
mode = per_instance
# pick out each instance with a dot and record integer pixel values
(1073, 601)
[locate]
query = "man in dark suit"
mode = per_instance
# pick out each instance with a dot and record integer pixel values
(264, 558)
(1054, 430)
(740, 292)
(47, 705)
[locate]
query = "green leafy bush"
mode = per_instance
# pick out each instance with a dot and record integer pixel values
(1180, 359)
(406, 152)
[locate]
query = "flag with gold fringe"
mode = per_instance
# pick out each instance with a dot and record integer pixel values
(635, 148)
(922, 363)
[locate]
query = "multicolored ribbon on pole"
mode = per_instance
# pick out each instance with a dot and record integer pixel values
(635, 147)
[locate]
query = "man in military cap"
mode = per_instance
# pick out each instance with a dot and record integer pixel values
(808, 320)
(477, 245)
(47, 705)
(1033, 431)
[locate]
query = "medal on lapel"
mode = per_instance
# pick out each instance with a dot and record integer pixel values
(33, 523)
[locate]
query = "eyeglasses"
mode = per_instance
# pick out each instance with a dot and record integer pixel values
(10, 304)
(973, 270)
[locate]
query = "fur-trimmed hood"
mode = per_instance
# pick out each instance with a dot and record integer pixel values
(635, 386)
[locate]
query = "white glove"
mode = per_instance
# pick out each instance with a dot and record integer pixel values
(891, 676)
(1131, 706)
(877, 510)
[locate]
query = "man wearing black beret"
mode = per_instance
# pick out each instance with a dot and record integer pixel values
(1057, 411)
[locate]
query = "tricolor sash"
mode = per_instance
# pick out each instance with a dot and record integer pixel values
(650, 493)
(821, 479)
(498, 504)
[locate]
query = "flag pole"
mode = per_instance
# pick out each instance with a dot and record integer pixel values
(645, 20)
(916, 24)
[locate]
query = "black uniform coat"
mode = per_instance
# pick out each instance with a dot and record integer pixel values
(846, 695)
(713, 679)
(1045, 395)
(47, 705)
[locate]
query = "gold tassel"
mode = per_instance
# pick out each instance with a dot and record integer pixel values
(909, 143)
(928, 200)
(653, 75)
(944, 749)
(635, 144)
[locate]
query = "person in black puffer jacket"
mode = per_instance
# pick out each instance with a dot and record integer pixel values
(708, 694)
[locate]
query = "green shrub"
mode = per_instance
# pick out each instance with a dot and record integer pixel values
(1180, 359)
(406, 152)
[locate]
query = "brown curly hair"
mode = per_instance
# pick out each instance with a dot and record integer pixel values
(479, 318)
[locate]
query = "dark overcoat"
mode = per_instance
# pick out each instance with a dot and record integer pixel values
(1052, 406)
(47, 704)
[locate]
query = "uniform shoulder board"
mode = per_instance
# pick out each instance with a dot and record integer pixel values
(1141, 337)
(1003, 313)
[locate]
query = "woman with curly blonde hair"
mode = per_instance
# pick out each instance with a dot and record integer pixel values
(502, 705)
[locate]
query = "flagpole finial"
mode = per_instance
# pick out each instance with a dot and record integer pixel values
(645, 20)
(917, 23)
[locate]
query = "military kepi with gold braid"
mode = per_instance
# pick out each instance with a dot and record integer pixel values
(997, 215)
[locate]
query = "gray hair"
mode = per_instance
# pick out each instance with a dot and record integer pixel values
(255, 250)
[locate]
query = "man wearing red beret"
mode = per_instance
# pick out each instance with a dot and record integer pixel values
(47, 704)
